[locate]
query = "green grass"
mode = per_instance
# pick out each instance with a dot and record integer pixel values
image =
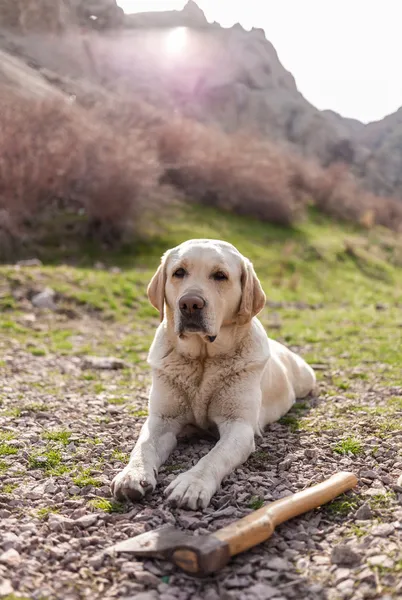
(48, 459)
(7, 450)
(256, 502)
(106, 505)
(349, 445)
(342, 506)
(43, 513)
(84, 478)
(62, 436)
(9, 488)
(138, 413)
(121, 456)
(117, 401)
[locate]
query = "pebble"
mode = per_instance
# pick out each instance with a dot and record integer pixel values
(10, 557)
(399, 482)
(380, 560)
(108, 363)
(146, 578)
(344, 555)
(364, 513)
(86, 521)
(6, 589)
(277, 564)
(45, 299)
(383, 530)
(10, 540)
(262, 591)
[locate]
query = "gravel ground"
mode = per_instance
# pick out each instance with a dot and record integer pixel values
(66, 430)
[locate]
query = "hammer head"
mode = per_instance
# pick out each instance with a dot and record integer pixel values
(198, 555)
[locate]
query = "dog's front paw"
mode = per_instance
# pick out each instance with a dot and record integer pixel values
(191, 490)
(132, 483)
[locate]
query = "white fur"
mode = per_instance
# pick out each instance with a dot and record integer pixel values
(237, 384)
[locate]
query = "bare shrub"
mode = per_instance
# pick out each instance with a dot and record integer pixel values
(336, 192)
(234, 172)
(53, 153)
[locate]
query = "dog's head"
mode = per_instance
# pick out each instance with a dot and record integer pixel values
(204, 285)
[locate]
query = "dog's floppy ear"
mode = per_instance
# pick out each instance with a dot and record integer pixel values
(156, 288)
(253, 296)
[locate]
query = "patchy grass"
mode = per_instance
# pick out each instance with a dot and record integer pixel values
(9, 488)
(256, 502)
(341, 506)
(7, 450)
(62, 436)
(48, 459)
(45, 511)
(106, 505)
(84, 478)
(121, 456)
(349, 445)
(138, 412)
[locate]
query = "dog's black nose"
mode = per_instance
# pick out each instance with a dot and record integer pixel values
(190, 304)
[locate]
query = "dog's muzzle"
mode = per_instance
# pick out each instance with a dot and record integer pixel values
(192, 313)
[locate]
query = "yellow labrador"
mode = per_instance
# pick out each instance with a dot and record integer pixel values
(213, 366)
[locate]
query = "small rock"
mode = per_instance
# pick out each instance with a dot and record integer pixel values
(262, 591)
(364, 513)
(45, 299)
(383, 530)
(10, 540)
(30, 262)
(6, 589)
(341, 574)
(103, 363)
(366, 575)
(399, 482)
(346, 586)
(380, 560)
(278, 564)
(375, 491)
(144, 596)
(50, 487)
(344, 556)
(321, 560)
(86, 521)
(370, 474)
(10, 557)
(311, 453)
(146, 578)
(59, 523)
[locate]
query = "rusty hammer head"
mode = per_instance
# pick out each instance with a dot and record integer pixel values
(198, 555)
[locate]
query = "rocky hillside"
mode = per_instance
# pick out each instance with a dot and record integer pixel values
(229, 77)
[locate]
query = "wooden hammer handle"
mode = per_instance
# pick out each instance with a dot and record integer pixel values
(259, 526)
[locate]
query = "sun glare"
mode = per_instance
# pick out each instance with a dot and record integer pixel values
(176, 40)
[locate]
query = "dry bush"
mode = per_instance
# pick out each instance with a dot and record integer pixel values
(233, 173)
(56, 155)
(337, 193)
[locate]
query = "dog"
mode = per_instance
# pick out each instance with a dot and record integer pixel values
(213, 366)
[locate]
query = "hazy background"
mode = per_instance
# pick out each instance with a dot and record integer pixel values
(344, 55)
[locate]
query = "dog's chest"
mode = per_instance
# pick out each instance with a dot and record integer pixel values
(198, 383)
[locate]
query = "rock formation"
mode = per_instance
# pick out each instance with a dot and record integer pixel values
(229, 77)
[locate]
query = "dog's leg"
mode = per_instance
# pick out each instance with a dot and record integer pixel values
(195, 488)
(157, 439)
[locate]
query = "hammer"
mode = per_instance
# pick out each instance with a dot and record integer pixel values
(205, 554)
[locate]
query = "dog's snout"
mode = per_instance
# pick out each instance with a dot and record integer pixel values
(191, 304)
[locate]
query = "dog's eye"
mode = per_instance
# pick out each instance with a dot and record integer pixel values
(179, 273)
(219, 276)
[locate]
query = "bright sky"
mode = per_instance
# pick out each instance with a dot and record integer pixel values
(345, 55)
